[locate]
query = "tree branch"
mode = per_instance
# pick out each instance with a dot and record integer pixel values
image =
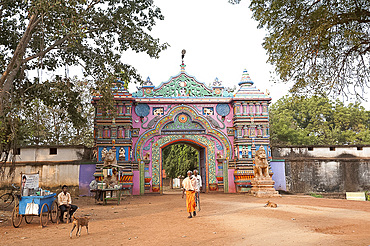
(20, 48)
(59, 42)
(42, 53)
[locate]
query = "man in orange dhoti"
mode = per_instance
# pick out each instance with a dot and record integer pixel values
(189, 185)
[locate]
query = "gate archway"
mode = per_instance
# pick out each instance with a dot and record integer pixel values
(228, 126)
(202, 155)
(182, 124)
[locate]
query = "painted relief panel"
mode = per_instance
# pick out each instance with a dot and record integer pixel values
(122, 152)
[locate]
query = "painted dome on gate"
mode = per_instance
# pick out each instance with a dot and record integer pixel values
(248, 90)
(182, 85)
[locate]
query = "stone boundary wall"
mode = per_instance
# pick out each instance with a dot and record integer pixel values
(327, 175)
(325, 169)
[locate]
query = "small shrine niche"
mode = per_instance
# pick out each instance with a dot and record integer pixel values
(208, 111)
(158, 111)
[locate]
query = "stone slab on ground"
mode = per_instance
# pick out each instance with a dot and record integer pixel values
(356, 196)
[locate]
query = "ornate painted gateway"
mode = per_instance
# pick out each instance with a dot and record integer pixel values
(226, 128)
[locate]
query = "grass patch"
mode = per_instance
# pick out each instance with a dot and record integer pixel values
(316, 195)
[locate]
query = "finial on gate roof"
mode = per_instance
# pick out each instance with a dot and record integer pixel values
(183, 52)
(246, 80)
(216, 82)
(148, 82)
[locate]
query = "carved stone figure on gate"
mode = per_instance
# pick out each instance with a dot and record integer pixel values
(219, 155)
(104, 153)
(244, 152)
(122, 154)
(261, 166)
(110, 158)
(147, 156)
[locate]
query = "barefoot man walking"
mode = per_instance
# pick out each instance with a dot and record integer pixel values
(189, 185)
(198, 186)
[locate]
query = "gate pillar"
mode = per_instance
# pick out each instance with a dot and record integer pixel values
(142, 179)
(225, 168)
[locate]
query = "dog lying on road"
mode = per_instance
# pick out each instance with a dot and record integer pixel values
(270, 204)
(79, 222)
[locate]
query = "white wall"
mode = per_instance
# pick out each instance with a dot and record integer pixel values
(43, 154)
(50, 175)
(325, 151)
(58, 170)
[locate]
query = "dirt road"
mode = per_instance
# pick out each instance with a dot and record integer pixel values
(224, 219)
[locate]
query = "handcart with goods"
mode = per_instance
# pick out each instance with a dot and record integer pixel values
(34, 201)
(114, 183)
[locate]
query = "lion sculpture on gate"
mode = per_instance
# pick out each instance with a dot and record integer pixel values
(110, 158)
(261, 166)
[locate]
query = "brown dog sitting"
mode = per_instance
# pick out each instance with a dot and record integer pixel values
(79, 222)
(270, 204)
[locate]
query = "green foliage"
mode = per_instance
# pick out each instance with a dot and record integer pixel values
(91, 33)
(367, 194)
(323, 46)
(49, 34)
(316, 195)
(178, 159)
(57, 112)
(317, 120)
(54, 112)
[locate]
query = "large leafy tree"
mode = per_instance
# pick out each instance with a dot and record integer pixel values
(50, 114)
(322, 45)
(90, 33)
(48, 34)
(54, 112)
(318, 120)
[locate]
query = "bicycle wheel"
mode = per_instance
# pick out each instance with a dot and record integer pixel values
(16, 217)
(44, 215)
(54, 212)
(28, 218)
(6, 200)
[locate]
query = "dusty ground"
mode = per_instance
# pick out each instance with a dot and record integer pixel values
(224, 219)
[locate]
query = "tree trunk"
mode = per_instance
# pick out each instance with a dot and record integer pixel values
(7, 78)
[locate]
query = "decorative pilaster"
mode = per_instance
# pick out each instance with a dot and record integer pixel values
(257, 105)
(244, 109)
(142, 177)
(264, 109)
(251, 109)
(225, 165)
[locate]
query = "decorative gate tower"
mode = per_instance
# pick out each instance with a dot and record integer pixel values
(226, 128)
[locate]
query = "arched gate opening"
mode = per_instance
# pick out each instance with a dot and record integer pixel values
(186, 163)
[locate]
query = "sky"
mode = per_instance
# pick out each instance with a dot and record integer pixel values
(220, 39)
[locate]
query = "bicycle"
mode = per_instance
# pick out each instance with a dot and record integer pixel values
(8, 198)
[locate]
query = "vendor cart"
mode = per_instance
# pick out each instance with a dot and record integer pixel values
(43, 205)
(113, 184)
